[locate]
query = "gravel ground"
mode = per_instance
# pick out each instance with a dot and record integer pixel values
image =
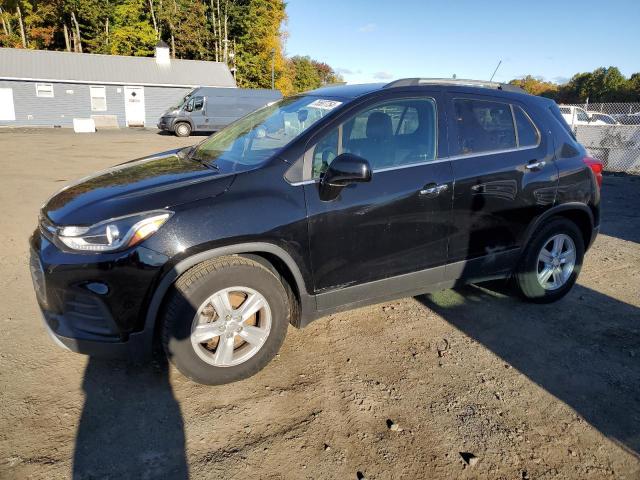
(461, 384)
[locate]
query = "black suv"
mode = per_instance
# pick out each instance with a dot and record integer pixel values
(325, 201)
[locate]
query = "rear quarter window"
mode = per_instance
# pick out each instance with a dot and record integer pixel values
(555, 113)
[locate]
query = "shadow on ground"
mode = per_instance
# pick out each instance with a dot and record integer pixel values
(131, 425)
(584, 349)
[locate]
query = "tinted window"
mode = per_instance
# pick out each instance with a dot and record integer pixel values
(484, 126)
(395, 133)
(581, 115)
(527, 133)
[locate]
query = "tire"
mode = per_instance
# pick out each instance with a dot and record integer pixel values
(527, 280)
(182, 129)
(191, 295)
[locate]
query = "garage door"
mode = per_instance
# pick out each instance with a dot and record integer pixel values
(6, 104)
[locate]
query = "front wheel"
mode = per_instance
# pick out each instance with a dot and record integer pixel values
(225, 320)
(183, 129)
(551, 262)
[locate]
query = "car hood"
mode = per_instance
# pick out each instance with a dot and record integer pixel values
(150, 183)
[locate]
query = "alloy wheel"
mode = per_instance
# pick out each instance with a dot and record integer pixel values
(231, 326)
(556, 262)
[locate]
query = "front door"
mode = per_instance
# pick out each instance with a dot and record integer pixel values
(398, 222)
(197, 113)
(504, 173)
(134, 106)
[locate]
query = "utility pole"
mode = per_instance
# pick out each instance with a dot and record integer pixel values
(273, 69)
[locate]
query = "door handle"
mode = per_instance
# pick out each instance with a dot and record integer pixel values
(433, 190)
(535, 165)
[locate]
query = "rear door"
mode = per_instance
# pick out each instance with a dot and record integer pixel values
(504, 176)
(400, 221)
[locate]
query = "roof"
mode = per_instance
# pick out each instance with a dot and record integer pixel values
(458, 82)
(45, 65)
(353, 91)
(346, 91)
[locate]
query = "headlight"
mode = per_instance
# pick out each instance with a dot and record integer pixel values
(114, 234)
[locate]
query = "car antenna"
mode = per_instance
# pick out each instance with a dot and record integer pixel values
(494, 72)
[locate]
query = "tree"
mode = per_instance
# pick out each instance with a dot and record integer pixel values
(257, 30)
(305, 75)
(633, 88)
(606, 85)
(536, 86)
(308, 74)
(132, 32)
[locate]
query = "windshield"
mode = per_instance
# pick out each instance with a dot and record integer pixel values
(181, 103)
(256, 137)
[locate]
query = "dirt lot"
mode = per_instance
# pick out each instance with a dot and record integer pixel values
(396, 390)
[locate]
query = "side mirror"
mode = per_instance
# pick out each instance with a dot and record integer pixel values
(344, 170)
(188, 107)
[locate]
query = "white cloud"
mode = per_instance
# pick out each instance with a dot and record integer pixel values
(369, 27)
(383, 76)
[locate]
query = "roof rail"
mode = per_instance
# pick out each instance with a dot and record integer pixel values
(412, 82)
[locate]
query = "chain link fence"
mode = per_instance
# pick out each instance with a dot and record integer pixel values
(609, 131)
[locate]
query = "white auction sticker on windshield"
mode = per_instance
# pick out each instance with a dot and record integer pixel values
(325, 104)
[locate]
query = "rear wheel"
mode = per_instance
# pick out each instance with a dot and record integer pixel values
(225, 320)
(551, 262)
(183, 129)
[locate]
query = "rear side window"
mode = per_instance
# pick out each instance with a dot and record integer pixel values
(484, 126)
(528, 135)
(555, 113)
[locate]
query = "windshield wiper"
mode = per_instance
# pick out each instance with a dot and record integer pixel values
(189, 154)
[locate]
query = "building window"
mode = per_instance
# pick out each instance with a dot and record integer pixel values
(44, 90)
(98, 99)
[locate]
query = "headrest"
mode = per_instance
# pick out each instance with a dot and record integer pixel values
(379, 125)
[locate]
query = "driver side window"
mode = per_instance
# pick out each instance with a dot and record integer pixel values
(390, 134)
(195, 104)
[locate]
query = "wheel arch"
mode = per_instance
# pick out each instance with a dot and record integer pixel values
(183, 120)
(270, 255)
(578, 213)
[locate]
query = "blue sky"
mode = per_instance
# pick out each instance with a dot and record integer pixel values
(378, 40)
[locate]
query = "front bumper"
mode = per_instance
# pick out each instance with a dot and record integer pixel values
(95, 304)
(166, 123)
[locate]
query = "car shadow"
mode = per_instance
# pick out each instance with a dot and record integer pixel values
(131, 425)
(584, 349)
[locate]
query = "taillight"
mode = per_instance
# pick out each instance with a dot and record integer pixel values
(596, 167)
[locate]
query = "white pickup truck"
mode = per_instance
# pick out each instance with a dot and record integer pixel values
(578, 116)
